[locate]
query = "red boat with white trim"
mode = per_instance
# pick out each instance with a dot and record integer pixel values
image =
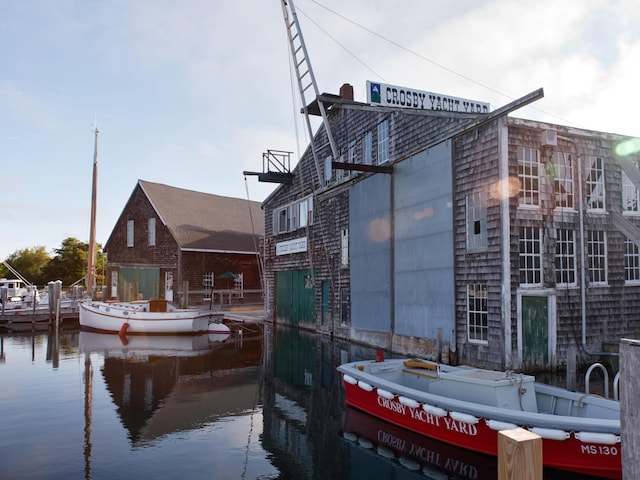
(467, 407)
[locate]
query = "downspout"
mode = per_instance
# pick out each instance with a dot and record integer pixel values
(583, 282)
(503, 166)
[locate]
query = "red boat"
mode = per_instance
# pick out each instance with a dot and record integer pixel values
(467, 407)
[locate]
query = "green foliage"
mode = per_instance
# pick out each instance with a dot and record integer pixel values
(69, 264)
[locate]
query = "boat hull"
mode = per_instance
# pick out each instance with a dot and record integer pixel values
(133, 319)
(476, 433)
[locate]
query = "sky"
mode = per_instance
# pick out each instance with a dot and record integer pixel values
(191, 93)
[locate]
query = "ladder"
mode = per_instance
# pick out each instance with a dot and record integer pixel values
(307, 86)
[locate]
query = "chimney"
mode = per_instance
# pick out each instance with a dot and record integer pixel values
(346, 91)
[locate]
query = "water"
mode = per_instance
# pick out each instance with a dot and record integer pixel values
(258, 406)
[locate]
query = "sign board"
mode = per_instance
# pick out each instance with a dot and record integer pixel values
(394, 96)
(296, 245)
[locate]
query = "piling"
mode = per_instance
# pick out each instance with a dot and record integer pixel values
(630, 407)
(519, 455)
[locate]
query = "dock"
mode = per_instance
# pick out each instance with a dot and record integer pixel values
(21, 320)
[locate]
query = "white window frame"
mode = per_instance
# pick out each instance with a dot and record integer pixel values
(630, 195)
(529, 176)
(563, 187)
(152, 232)
(383, 142)
(594, 179)
(476, 212)
(631, 263)
(293, 216)
(531, 256)
(477, 313)
(565, 259)
(344, 244)
(597, 256)
(130, 232)
(367, 156)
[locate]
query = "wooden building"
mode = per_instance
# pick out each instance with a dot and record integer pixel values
(447, 231)
(167, 236)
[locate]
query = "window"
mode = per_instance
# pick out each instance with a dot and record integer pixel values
(352, 156)
(293, 216)
(594, 166)
(562, 180)
(565, 257)
(129, 233)
(383, 142)
(528, 173)
(596, 250)
(477, 313)
(345, 247)
(368, 148)
(152, 232)
(328, 171)
(476, 221)
(631, 262)
(630, 194)
(530, 256)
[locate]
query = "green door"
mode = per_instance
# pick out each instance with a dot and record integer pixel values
(535, 332)
(295, 297)
(145, 281)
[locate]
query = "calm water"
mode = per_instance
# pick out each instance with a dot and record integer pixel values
(256, 406)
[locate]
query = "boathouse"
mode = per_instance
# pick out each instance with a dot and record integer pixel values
(449, 231)
(170, 240)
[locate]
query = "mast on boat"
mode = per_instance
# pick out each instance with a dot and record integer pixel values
(91, 267)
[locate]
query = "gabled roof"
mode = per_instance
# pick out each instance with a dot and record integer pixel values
(202, 221)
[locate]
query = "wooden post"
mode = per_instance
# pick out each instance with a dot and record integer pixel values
(519, 455)
(629, 406)
(572, 355)
(185, 294)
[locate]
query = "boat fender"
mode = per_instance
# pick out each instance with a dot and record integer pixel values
(436, 411)
(352, 437)
(365, 443)
(601, 438)
(385, 452)
(349, 379)
(123, 329)
(409, 463)
(498, 425)
(464, 417)
(385, 394)
(550, 433)
(365, 386)
(409, 402)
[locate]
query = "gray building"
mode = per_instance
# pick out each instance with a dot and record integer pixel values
(447, 231)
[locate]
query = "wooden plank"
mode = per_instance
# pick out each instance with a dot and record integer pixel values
(519, 455)
(420, 364)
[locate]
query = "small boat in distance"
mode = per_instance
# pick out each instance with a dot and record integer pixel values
(148, 317)
(467, 407)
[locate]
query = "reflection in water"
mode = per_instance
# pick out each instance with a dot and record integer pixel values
(166, 384)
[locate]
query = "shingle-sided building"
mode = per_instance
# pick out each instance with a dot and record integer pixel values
(483, 239)
(166, 236)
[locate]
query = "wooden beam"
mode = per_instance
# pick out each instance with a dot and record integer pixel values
(272, 177)
(519, 455)
(361, 167)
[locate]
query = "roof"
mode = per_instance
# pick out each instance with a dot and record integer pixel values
(207, 222)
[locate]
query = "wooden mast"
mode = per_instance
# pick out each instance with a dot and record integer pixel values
(91, 267)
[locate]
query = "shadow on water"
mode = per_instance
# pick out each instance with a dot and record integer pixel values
(312, 434)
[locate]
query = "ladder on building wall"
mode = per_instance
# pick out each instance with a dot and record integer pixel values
(307, 86)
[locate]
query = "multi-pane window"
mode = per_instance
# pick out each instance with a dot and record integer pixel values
(477, 313)
(345, 247)
(528, 173)
(565, 257)
(368, 149)
(594, 166)
(328, 170)
(631, 262)
(130, 233)
(630, 194)
(597, 256)
(530, 256)
(293, 216)
(383, 142)
(562, 180)
(476, 221)
(152, 232)
(353, 152)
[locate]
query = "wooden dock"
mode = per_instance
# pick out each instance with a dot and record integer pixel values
(21, 320)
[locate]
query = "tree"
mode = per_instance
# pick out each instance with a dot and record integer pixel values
(30, 263)
(69, 263)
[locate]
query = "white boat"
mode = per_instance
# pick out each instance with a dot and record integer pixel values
(467, 407)
(148, 317)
